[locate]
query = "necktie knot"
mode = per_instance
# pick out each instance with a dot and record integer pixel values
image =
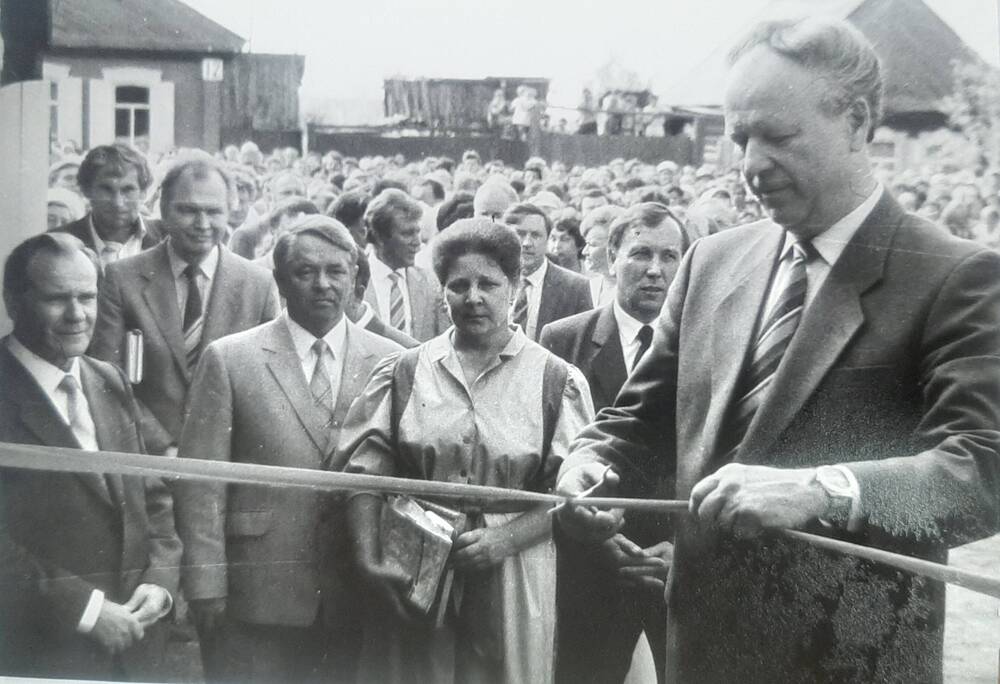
(69, 385)
(319, 347)
(191, 272)
(645, 338)
(804, 251)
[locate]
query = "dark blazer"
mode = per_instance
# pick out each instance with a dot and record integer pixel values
(81, 230)
(564, 293)
(895, 371)
(427, 308)
(139, 293)
(70, 533)
(590, 341)
(251, 403)
(599, 621)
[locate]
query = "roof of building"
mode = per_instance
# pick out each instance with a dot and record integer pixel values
(916, 46)
(138, 25)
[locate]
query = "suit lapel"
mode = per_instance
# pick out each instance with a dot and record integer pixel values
(735, 322)
(160, 294)
(284, 365)
(549, 300)
(110, 422)
(353, 378)
(420, 299)
(40, 417)
(607, 362)
(225, 298)
(827, 327)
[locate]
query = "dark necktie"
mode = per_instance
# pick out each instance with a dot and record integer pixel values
(773, 337)
(193, 318)
(645, 339)
(519, 315)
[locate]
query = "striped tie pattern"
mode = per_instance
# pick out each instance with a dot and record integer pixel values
(519, 314)
(320, 385)
(397, 311)
(773, 338)
(193, 317)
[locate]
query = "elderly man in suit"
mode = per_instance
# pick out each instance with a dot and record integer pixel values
(265, 578)
(114, 178)
(547, 292)
(604, 598)
(405, 296)
(835, 368)
(182, 295)
(90, 560)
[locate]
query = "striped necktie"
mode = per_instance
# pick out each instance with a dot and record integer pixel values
(773, 337)
(397, 310)
(193, 318)
(519, 315)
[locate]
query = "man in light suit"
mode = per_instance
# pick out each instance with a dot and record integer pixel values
(183, 294)
(403, 295)
(266, 577)
(89, 560)
(606, 594)
(547, 292)
(114, 179)
(835, 368)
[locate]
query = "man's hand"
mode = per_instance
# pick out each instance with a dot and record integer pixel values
(149, 603)
(636, 566)
(586, 523)
(207, 615)
(749, 499)
(117, 627)
(481, 549)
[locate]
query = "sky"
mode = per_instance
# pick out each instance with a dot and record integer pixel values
(348, 53)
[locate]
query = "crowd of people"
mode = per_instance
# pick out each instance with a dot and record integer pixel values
(833, 368)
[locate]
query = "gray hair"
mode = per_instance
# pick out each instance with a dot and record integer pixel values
(834, 47)
(323, 227)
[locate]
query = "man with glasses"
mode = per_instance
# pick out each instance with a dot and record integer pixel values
(114, 179)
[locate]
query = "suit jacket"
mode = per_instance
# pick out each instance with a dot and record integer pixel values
(251, 403)
(894, 370)
(377, 326)
(81, 230)
(427, 309)
(138, 293)
(564, 293)
(71, 533)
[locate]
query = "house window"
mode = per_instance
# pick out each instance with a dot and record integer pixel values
(53, 111)
(131, 113)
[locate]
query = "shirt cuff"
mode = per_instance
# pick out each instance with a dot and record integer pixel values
(91, 612)
(854, 493)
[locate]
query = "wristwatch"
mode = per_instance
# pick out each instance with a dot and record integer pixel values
(839, 495)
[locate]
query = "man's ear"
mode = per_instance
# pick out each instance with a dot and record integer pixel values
(859, 119)
(12, 304)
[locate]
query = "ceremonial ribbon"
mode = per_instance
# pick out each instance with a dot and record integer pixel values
(65, 459)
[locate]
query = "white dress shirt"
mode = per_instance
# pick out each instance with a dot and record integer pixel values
(829, 247)
(336, 344)
(130, 247)
(206, 275)
(537, 279)
(628, 334)
(382, 283)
